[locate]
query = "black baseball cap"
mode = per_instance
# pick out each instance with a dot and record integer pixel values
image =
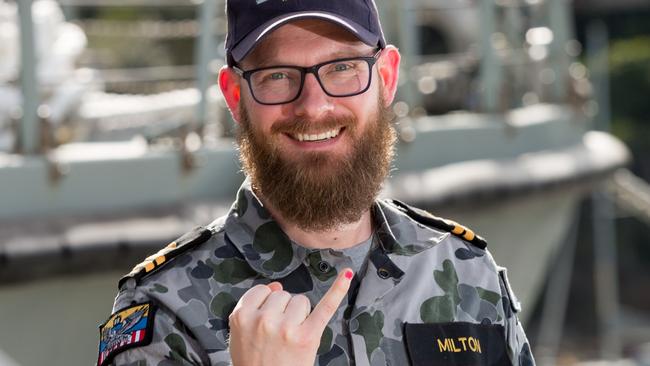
(249, 21)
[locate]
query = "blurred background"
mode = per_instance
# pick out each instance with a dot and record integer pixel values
(526, 120)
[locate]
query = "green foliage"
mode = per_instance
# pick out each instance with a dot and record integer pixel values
(630, 88)
(120, 13)
(129, 51)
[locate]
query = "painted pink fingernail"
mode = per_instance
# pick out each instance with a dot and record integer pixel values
(349, 274)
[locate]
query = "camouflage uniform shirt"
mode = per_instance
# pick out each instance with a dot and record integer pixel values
(427, 295)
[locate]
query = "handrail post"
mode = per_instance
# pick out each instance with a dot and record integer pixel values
(490, 66)
(29, 130)
(408, 42)
(560, 22)
(604, 220)
(204, 54)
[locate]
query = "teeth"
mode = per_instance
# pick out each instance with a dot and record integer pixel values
(318, 137)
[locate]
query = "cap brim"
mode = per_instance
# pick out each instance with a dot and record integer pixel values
(244, 47)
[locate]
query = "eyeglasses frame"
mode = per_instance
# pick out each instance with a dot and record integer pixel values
(371, 60)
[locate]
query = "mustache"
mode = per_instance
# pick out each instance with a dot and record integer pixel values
(295, 125)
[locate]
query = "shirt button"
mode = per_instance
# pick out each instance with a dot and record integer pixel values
(383, 273)
(324, 267)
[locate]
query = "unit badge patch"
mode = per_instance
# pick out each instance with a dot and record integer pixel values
(126, 328)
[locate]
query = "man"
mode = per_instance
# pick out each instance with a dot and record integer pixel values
(309, 267)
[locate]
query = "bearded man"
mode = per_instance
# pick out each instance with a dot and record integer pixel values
(309, 266)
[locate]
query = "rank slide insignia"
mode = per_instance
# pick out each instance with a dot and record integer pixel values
(126, 328)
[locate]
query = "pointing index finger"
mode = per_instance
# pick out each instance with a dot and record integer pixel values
(326, 308)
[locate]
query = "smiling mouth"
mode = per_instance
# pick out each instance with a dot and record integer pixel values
(324, 136)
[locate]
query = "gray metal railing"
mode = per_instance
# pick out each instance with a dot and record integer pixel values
(631, 194)
(484, 89)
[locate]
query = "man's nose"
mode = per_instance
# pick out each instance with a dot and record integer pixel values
(313, 103)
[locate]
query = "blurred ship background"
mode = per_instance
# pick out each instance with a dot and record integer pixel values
(526, 120)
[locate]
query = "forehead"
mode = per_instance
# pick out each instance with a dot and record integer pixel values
(292, 42)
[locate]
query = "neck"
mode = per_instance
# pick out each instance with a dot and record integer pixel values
(340, 237)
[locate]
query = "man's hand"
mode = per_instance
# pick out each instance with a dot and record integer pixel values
(269, 326)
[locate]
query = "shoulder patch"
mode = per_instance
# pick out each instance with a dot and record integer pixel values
(153, 262)
(127, 328)
(430, 220)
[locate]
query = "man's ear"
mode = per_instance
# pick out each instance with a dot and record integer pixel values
(230, 84)
(388, 67)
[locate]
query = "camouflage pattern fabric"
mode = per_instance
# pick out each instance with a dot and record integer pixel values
(416, 275)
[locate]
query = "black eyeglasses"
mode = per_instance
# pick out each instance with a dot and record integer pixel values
(344, 77)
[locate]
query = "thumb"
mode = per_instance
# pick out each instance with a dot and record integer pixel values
(326, 308)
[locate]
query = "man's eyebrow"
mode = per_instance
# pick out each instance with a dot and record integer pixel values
(351, 53)
(336, 55)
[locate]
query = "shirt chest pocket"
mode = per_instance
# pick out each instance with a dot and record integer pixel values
(465, 344)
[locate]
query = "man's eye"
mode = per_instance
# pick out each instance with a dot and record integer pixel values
(342, 67)
(277, 76)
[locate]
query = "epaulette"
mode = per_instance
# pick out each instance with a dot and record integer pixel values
(177, 247)
(435, 222)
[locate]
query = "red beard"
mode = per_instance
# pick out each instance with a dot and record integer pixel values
(318, 191)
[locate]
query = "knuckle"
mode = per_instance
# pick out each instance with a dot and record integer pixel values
(339, 290)
(234, 316)
(260, 288)
(237, 319)
(329, 307)
(281, 294)
(302, 299)
(305, 303)
(286, 294)
(266, 323)
(287, 335)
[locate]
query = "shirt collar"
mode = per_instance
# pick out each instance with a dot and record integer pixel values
(267, 249)
(399, 234)
(270, 252)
